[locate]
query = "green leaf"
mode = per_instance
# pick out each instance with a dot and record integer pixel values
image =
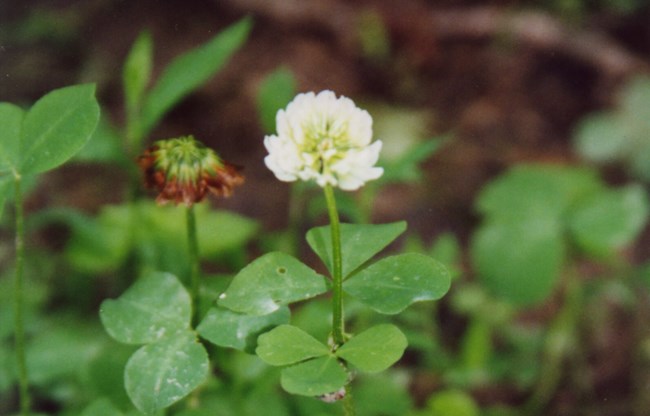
(452, 402)
(101, 407)
(358, 242)
(271, 281)
(136, 73)
(191, 70)
(315, 377)
(155, 306)
(599, 139)
(11, 119)
(392, 284)
(288, 344)
(519, 261)
(6, 186)
(164, 372)
(374, 349)
(276, 91)
(609, 220)
(226, 328)
(56, 127)
(406, 168)
(532, 191)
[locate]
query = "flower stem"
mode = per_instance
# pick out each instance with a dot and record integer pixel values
(338, 328)
(19, 329)
(193, 252)
(338, 321)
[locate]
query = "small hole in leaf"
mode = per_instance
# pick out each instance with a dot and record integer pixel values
(282, 270)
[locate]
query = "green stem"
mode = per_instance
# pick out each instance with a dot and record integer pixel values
(338, 328)
(338, 321)
(193, 252)
(19, 328)
(348, 403)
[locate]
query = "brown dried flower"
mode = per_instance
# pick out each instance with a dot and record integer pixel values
(184, 170)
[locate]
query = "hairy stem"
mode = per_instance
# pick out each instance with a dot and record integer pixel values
(19, 328)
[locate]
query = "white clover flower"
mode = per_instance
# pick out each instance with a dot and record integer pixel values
(324, 138)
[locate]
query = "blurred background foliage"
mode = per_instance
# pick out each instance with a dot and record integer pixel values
(516, 145)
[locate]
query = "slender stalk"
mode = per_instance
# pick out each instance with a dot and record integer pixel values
(19, 328)
(338, 321)
(338, 327)
(193, 252)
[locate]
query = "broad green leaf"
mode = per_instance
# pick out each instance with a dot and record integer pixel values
(392, 284)
(11, 119)
(189, 71)
(519, 261)
(164, 372)
(452, 402)
(275, 92)
(101, 407)
(136, 73)
(532, 191)
(226, 328)
(358, 242)
(599, 138)
(155, 306)
(56, 127)
(288, 344)
(271, 281)
(374, 349)
(315, 377)
(609, 220)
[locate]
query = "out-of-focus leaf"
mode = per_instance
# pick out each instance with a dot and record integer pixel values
(136, 73)
(532, 191)
(600, 138)
(609, 220)
(101, 407)
(275, 92)
(452, 402)
(190, 70)
(519, 261)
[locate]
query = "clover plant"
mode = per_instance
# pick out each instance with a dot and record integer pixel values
(35, 141)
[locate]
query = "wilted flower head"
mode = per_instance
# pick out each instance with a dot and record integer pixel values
(324, 138)
(184, 170)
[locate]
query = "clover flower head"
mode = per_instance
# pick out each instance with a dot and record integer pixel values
(184, 170)
(324, 138)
